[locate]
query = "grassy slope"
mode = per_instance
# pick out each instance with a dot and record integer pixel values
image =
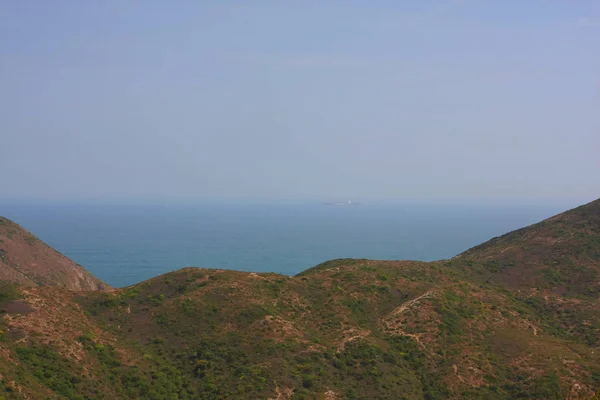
(26, 260)
(517, 317)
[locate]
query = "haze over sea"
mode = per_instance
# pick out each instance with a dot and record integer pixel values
(125, 244)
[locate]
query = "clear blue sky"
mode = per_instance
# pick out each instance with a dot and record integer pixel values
(266, 100)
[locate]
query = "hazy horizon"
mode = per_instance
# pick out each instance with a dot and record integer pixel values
(451, 101)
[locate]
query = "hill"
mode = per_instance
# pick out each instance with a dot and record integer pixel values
(516, 317)
(561, 253)
(26, 260)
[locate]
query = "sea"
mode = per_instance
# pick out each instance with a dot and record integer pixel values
(124, 244)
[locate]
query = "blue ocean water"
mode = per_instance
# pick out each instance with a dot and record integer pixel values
(125, 244)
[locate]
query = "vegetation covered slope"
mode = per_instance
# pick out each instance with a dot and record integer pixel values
(561, 253)
(26, 260)
(493, 323)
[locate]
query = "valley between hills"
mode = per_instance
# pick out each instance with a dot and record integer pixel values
(517, 317)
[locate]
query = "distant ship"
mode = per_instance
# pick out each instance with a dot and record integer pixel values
(341, 203)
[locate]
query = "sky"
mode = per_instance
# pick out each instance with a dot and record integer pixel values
(446, 101)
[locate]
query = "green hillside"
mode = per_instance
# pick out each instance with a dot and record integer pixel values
(517, 317)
